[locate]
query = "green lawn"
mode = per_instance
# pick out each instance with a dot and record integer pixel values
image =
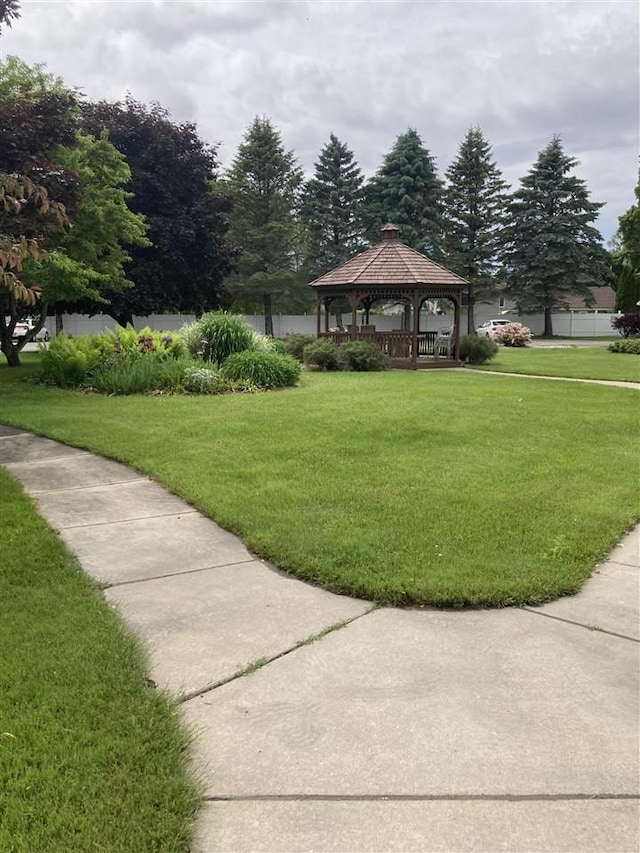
(445, 488)
(91, 758)
(576, 362)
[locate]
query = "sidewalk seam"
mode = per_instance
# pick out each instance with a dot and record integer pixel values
(122, 520)
(106, 585)
(261, 663)
(594, 628)
(78, 488)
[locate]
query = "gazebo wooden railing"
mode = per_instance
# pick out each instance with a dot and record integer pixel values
(393, 344)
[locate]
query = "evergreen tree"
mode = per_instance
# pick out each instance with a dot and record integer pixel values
(407, 191)
(627, 258)
(332, 209)
(264, 180)
(551, 248)
(475, 200)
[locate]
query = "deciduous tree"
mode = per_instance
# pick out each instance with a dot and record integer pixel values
(173, 175)
(91, 257)
(38, 195)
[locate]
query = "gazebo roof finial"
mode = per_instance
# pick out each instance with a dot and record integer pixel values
(390, 233)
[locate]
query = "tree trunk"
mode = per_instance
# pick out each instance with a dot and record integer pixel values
(59, 324)
(471, 318)
(11, 353)
(268, 318)
(548, 325)
(125, 319)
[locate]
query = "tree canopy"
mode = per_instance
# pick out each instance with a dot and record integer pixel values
(38, 194)
(264, 181)
(552, 249)
(407, 191)
(627, 258)
(173, 176)
(475, 201)
(90, 257)
(333, 209)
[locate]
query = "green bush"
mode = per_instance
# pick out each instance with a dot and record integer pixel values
(628, 345)
(131, 342)
(200, 380)
(68, 361)
(126, 374)
(262, 369)
(123, 361)
(361, 356)
(322, 354)
(477, 350)
(217, 335)
(192, 337)
(294, 344)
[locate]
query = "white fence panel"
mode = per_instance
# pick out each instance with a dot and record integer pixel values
(576, 324)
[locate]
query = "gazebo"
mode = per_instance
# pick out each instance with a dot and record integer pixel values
(392, 271)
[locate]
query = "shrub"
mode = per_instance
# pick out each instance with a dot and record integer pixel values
(219, 335)
(145, 342)
(362, 355)
(262, 343)
(628, 325)
(322, 354)
(294, 344)
(477, 350)
(126, 374)
(262, 369)
(512, 335)
(192, 337)
(200, 380)
(629, 345)
(68, 361)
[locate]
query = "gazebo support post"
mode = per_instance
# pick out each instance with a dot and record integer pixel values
(456, 323)
(318, 312)
(415, 301)
(327, 304)
(353, 301)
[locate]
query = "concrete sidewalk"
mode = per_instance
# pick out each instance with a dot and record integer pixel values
(362, 729)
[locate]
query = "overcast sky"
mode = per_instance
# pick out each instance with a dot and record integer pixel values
(366, 71)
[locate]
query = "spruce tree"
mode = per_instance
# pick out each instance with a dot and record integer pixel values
(552, 250)
(627, 258)
(407, 191)
(264, 182)
(475, 200)
(332, 209)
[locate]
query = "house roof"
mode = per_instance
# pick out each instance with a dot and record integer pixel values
(605, 300)
(389, 262)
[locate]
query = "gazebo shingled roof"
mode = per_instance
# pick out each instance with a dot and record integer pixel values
(389, 262)
(387, 271)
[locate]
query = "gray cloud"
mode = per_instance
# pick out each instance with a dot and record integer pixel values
(366, 71)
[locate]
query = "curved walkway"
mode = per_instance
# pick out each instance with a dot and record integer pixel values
(614, 382)
(325, 724)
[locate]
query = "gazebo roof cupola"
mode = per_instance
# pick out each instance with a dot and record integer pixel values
(390, 233)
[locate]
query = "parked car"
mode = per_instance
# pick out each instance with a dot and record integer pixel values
(23, 328)
(486, 330)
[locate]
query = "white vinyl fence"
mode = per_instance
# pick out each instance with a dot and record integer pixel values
(575, 324)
